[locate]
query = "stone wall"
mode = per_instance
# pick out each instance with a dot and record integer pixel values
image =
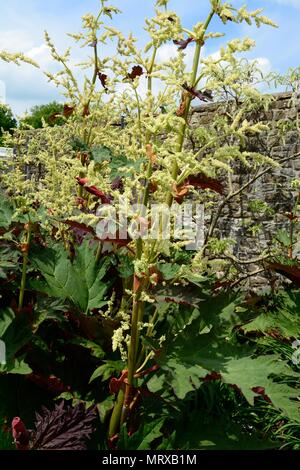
(273, 187)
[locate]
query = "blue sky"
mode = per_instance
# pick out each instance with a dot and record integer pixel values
(22, 24)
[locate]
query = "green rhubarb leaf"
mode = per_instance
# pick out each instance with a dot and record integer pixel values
(283, 237)
(101, 154)
(188, 359)
(80, 281)
(285, 319)
(217, 433)
(6, 318)
(107, 370)
(18, 367)
(168, 270)
(142, 439)
(106, 407)
(15, 333)
(179, 295)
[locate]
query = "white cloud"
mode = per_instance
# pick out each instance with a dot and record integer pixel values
(14, 40)
(264, 64)
(214, 56)
(167, 51)
(41, 54)
(26, 86)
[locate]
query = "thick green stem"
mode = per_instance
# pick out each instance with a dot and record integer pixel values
(24, 267)
(148, 334)
(139, 112)
(115, 419)
(148, 135)
(132, 357)
(133, 342)
(149, 85)
(138, 307)
(122, 404)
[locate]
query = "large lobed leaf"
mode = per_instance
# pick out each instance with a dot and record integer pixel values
(15, 334)
(197, 352)
(218, 433)
(283, 320)
(80, 281)
(142, 439)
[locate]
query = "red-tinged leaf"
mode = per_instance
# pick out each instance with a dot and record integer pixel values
(177, 300)
(146, 372)
(236, 389)
(80, 201)
(53, 118)
(291, 272)
(152, 187)
(212, 377)
(179, 192)
(261, 391)
(205, 182)
(86, 110)
(105, 199)
(82, 181)
(292, 217)
(116, 384)
(151, 154)
(112, 442)
(273, 333)
(136, 284)
(177, 295)
(103, 79)
(78, 226)
(51, 383)
(117, 241)
(20, 434)
(182, 107)
(156, 276)
(64, 428)
(183, 43)
(68, 110)
(226, 18)
(205, 95)
(218, 285)
(136, 71)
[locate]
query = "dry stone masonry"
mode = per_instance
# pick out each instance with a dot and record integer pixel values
(274, 188)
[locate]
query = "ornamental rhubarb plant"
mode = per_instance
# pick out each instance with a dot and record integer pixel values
(121, 308)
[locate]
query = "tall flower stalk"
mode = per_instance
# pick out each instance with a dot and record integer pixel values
(123, 402)
(151, 148)
(25, 252)
(136, 355)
